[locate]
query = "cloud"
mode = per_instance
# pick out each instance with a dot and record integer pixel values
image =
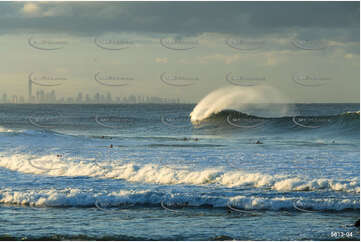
(338, 20)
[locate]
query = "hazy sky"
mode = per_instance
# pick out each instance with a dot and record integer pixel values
(307, 50)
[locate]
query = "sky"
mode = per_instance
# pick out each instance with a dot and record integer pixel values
(309, 51)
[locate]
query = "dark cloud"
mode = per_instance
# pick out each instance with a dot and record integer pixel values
(311, 14)
(247, 18)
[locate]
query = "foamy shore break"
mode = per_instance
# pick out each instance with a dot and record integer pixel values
(52, 165)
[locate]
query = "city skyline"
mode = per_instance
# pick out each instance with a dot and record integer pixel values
(50, 97)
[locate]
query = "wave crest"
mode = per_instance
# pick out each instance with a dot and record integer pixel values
(157, 174)
(73, 197)
(242, 99)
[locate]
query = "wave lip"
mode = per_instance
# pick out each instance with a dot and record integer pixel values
(240, 99)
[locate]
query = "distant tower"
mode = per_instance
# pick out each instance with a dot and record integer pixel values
(30, 89)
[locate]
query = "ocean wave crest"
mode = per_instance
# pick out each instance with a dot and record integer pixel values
(53, 165)
(71, 197)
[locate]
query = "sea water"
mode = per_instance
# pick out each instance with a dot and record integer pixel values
(147, 171)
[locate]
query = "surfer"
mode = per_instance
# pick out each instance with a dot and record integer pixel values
(258, 142)
(111, 146)
(357, 223)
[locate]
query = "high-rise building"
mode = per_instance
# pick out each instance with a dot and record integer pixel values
(30, 89)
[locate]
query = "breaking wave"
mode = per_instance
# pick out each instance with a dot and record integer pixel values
(71, 197)
(251, 107)
(51, 165)
(241, 99)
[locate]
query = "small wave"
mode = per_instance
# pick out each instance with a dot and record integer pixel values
(6, 130)
(71, 197)
(156, 174)
(33, 132)
(185, 145)
(65, 237)
(30, 132)
(352, 113)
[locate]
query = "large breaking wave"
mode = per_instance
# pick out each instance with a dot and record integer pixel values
(262, 106)
(242, 99)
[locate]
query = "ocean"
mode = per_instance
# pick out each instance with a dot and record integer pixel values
(151, 172)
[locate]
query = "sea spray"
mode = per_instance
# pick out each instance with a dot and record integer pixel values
(242, 99)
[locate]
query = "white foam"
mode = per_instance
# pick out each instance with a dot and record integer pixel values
(71, 197)
(156, 174)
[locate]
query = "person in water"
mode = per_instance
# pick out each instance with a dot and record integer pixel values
(111, 146)
(258, 142)
(357, 223)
